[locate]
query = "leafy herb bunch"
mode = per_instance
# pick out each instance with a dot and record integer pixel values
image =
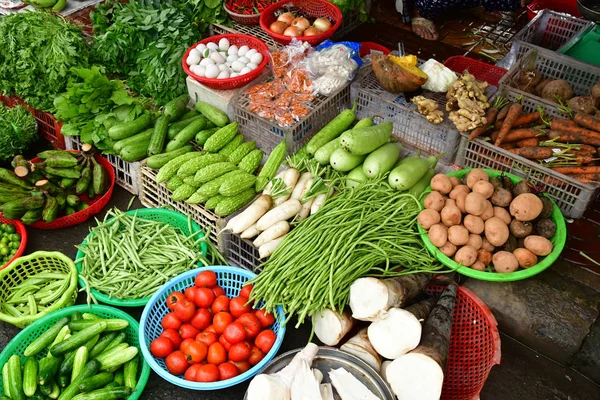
(18, 131)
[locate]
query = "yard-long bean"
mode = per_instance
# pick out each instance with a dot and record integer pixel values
(370, 231)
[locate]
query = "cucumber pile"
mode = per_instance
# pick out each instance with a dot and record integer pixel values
(53, 5)
(83, 357)
(56, 186)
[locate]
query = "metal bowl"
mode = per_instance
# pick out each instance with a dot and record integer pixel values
(329, 358)
(589, 13)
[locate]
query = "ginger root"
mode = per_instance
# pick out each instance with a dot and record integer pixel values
(467, 102)
(429, 108)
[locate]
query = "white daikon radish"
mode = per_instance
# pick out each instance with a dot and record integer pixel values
(277, 386)
(305, 385)
(250, 233)
(268, 248)
(370, 296)
(318, 203)
(384, 367)
(305, 210)
(290, 178)
(348, 387)
(282, 212)
(326, 391)
(299, 191)
(394, 333)
(267, 189)
(250, 215)
(331, 327)
(360, 346)
(318, 375)
(274, 232)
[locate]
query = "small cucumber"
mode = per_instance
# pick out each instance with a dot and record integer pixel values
(96, 382)
(15, 378)
(55, 391)
(102, 344)
(356, 177)
(362, 141)
(213, 114)
(160, 160)
(81, 358)
(78, 339)
(176, 107)
(343, 161)
(120, 378)
(127, 129)
(333, 129)
(140, 137)
(382, 160)
(186, 134)
(30, 371)
(115, 324)
(175, 127)
(157, 141)
(117, 358)
(323, 155)
(47, 369)
(111, 393)
(130, 371)
(5, 380)
(90, 369)
(45, 339)
(135, 152)
(189, 114)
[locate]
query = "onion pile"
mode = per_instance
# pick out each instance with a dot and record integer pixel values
(289, 25)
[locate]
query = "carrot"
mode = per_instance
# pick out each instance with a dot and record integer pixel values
(576, 135)
(490, 116)
(508, 146)
(518, 134)
(533, 153)
(513, 113)
(587, 121)
(587, 177)
(559, 124)
(531, 142)
(587, 148)
(502, 113)
(493, 134)
(585, 180)
(588, 169)
(527, 119)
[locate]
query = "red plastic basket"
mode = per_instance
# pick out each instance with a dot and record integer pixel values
(95, 205)
(314, 8)
(474, 346)
(566, 6)
(20, 229)
(480, 70)
(366, 47)
(238, 81)
(250, 19)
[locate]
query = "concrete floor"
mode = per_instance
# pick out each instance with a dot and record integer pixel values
(523, 373)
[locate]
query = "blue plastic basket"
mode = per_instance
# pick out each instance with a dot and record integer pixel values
(231, 279)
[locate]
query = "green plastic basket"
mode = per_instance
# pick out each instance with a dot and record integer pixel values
(174, 218)
(23, 268)
(24, 338)
(558, 242)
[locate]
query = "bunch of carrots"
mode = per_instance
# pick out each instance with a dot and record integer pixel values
(568, 146)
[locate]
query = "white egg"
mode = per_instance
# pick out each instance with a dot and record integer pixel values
(198, 70)
(211, 71)
(223, 67)
(223, 75)
(234, 75)
(232, 49)
(207, 61)
(237, 66)
(250, 53)
(212, 46)
(193, 58)
(245, 70)
(217, 58)
(252, 66)
(224, 44)
(228, 63)
(256, 58)
(232, 57)
(243, 50)
(243, 60)
(206, 53)
(201, 47)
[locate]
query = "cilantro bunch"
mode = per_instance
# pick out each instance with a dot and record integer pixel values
(18, 131)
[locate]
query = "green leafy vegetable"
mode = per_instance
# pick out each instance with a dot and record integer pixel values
(18, 131)
(350, 5)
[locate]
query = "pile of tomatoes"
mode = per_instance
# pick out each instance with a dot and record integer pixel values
(209, 337)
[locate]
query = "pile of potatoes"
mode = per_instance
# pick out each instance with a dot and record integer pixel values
(485, 221)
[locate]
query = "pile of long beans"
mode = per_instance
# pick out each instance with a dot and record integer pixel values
(129, 257)
(370, 231)
(35, 294)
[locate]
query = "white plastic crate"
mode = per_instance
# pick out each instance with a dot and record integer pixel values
(255, 31)
(570, 195)
(128, 175)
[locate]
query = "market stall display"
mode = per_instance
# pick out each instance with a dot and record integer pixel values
(246, 12)
(13, 240)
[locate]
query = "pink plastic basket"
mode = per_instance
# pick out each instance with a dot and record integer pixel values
(480, 70)
(20, 229)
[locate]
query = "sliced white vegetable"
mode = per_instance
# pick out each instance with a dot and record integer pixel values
(318, 375)
(384, 367)
(250, 233)
(237, 66)
(305, 385)
(283, 212)
(256, 58)
(269, 248)
(290, 178)
(233, 49)
(198, 70)
(348, 387)
(267, 189)
(223, 75)
(361, 347)
(212, 46)
(394, 333)
(245, 70)
(201, 47)
(217, 58)
(243, 50)
(299, 188)
(318, 203)
(305, 210)
(252, 66)
(232, 57)
(224, 44)
(326, 391)
(250, 215)
(274, 232)
(250, 53)
(212, 71)
(207, 61)
(331, 327)
(243, 60)
(415, 376)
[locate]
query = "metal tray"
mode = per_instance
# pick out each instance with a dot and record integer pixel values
(329, 358)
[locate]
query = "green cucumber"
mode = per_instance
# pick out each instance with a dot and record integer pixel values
(333, 129)
(115, 324)
(15, 378)
(128, 129)
(356, 177)
(186, 134)
(408, 173)
(89, 316)
(140, 137)
(81, 358)
(176, 127)
(323, 155)
(117, 357)
(102, 344)
(361, 141)
(55, 391)
(130, 371)
(343, 161)
(30, 372)
(157, 141)
(96, 382)
(111, 393)
(63, 381)
(135, 152)
(90, 369)
(203, 135)
(78, 339)
(120, 378)
(47, 369)
(6, 380)
(382, 160)
(110, 351)
(189, 114)
(46, 338)
(67, 365)
(176, 107)
(159, 160)
(213, 114)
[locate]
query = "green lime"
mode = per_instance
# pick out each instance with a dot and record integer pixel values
(11, 229)
(4, 250)
(15, 245)
(15, 237)
(4, 240)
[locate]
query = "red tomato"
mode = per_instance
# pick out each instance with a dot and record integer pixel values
(189, 293)
(173, 299)
(251, 324)
(218, 291)
(216, 354)
(221, 321)
(235, 332)
(245, 292)
(204, 297)
(210, 328)
(265, 340)
(187, 331)
(176, 362)
(172, 335)
(227, 371)
(256, 355)
(224, 342)
(240, 351)
(221, 303)
(185, 310)
(201, 319)
(191, 372)
(185, 344)
(237, 306)
(161, 347)
(207, 338)
(170, 321)
(195, 352)
(266, 319)
(242, 366)
(206, 279)
(208, 373)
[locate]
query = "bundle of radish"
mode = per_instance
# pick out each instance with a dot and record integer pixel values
(485, 220)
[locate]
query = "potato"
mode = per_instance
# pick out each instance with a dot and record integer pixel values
(438, 235)
(484, 256)
(451, 215)
(520, 229)
(476, 175)
(458, 235)
(596, 95)
(502, 214)
(557, 90)
(475, 241)
(486, 245)
(520, 188)
(460, 202)
(428, 217)
(501, 197)
(459, 189)
(474, 224)
(435, 201)
(475, 203)
(441, 183)
(538, 245)
(546, 228)
(450, 202)
(478, 266)
(510, 245)
(504, 261)
(496, 231)
(525, 258)
(526, 207)
(496, 182)
(507, 183)
(466, 256)
(448, 249)
(582, 104)
(540, 86)
(455, 181)
(548, 207)
(484, 188)
(488, 211)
